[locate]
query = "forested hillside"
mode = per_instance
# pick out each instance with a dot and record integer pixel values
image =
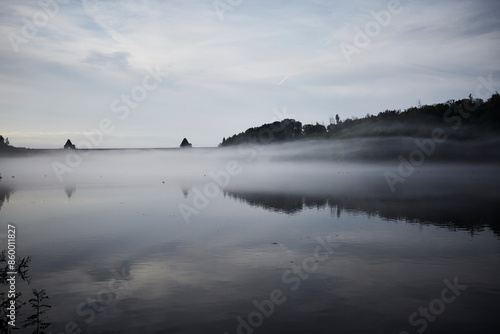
(461, 120)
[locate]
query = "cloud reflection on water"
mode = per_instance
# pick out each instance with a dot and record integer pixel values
(119, 211)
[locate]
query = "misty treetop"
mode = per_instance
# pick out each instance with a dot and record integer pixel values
(279, 131)
(467, 118)
(5, 145)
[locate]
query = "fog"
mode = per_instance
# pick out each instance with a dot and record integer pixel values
(322, 167)
(84, 215)
(286, 178)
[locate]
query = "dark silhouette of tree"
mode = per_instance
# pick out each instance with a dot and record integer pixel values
(22, 268)
(279, 131)
(310, 129)
(4, 143)
(6, 146)
(37, 318)
(478, 118)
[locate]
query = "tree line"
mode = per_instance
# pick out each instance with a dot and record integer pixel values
(477, 118)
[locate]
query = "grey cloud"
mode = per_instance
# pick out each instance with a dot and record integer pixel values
(120, 59)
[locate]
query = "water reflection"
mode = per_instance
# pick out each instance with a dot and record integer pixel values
(282, 203)
(471, 212)
(70, 190)
(5, 192)
(185, 191)
(118, 256)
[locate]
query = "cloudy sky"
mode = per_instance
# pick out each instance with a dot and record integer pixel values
(149, 73)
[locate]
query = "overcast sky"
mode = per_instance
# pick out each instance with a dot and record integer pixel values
(150, 73)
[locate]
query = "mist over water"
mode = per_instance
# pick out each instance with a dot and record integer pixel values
(193, 239)
(455, 190)
(301, 169)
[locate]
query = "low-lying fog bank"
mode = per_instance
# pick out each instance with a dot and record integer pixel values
(313, 168)
(285, 178)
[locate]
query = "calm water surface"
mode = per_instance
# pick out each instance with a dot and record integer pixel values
(138, 243)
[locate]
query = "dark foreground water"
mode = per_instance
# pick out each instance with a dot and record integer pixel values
(208, 242)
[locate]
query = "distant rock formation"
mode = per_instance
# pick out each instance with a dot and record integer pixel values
(185, 143)
(69, 144)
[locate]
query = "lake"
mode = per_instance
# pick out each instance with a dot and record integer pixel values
(253, 240)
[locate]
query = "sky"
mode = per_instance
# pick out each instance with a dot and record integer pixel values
(143, 74)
